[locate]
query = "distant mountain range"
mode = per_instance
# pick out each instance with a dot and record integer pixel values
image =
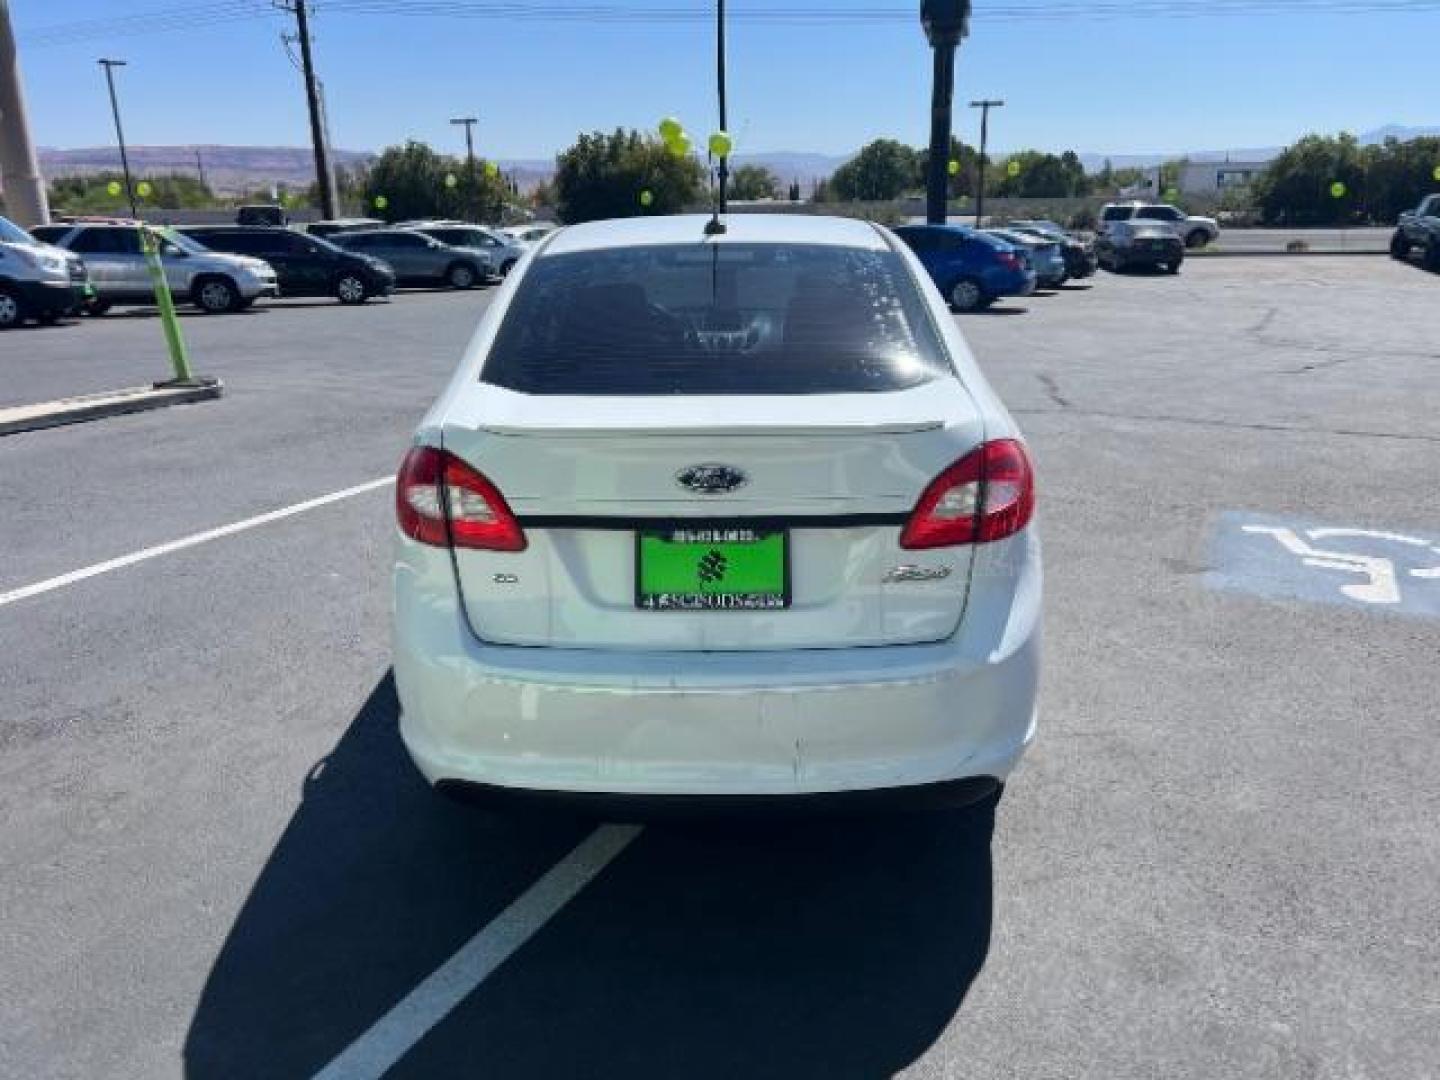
(233, 169)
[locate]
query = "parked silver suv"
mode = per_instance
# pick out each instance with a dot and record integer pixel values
(420, 259)
(504, 251)
(1195, 231)
(212, 281)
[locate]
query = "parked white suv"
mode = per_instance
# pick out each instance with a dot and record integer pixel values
(726, 516)
(212, 281)
(1195, 231)
(37, 281)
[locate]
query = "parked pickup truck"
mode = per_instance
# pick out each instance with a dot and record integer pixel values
(1419, 228)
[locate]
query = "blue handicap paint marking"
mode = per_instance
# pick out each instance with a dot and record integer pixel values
(1390, 570)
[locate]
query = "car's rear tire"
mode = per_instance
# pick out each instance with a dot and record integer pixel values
(1399, 246)
(1196, 238)
(351, 289)
(216, 295)
(96, 308)
(1173, 267)
(462, 275)
(12, 309)
(967, 295)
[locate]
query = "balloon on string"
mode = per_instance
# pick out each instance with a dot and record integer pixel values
(381, 202)
(113, 188)
(451, 180)
(670, 128)
(720, 144)
(646, 198)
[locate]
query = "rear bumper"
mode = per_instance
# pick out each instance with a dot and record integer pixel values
(763, 724)
(946, 794)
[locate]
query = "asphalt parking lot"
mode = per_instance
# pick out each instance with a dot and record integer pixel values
(1220, 859)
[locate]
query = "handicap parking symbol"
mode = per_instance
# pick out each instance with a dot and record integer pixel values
(1379, 569)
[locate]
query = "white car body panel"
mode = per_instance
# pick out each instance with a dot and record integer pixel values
(535, 669)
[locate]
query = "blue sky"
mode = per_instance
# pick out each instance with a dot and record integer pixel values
(1118, 86)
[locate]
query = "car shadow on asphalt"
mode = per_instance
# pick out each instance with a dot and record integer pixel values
(834, 947)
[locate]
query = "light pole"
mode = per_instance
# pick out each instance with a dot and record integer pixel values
(984, 106)
(110, 66)
(945, 23)
(470, 122)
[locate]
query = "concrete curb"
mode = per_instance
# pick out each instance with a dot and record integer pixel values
(45, 414)
(1264, 253)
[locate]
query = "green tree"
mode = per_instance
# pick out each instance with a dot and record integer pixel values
(1295, 189)
(1034, 174)
(412, 181)
(754, 182)
(962, 183)
(604, 176)
(883, 170)
(90, 193)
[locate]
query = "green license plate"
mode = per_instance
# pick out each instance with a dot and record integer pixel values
(712, 568)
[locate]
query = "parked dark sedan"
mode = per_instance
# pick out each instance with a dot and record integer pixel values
(1080, 261)
(304, 265)
(1125, 244)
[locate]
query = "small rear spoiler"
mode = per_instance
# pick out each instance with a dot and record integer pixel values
(709, 430)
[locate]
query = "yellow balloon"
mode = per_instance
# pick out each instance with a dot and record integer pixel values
(1436, 173)
(451, 180)
(381, 202)
(670, 127)
(954, 167)
(1337, 190)
(720, 144)
(113, 187)
(143, 189)
(1013, 168)
(680, 145)
(491, 169)
(646, 198)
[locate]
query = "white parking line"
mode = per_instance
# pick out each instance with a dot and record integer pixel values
(49, 584)
(392, 1036)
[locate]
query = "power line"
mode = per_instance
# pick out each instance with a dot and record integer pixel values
(205, 15)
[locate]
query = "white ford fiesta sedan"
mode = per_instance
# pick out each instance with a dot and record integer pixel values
(717, 519)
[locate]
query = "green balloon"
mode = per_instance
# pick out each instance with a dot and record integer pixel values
(680, 145)
(381, 202)
(1013, 168)
(1337, 190)
(670, 128)
(113, 187)
(720, 144)
(646, 198)
(143, 189)
(491, 169)
(954, 167)
(1436, 173)
(451, 180)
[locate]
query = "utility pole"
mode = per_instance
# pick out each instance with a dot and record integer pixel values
(469, 123)
(324, 178)
(984, 106)
(724, 171)
(200, 166)
(946, 22)
(110, 66)
(19, 166)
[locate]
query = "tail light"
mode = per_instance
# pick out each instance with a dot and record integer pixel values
(1011, 261)
(987, 495)
(440, 500)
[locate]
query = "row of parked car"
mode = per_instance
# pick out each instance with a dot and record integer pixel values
(93, 264)
(975, 267)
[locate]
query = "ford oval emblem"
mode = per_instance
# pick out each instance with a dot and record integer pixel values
(711, 479)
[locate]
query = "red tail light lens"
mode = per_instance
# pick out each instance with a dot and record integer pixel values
(987, 495)
(442, 501)
(1010, 261)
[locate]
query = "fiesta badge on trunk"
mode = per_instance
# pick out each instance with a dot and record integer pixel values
(711, 478)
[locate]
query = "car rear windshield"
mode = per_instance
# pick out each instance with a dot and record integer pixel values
(716, 319)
